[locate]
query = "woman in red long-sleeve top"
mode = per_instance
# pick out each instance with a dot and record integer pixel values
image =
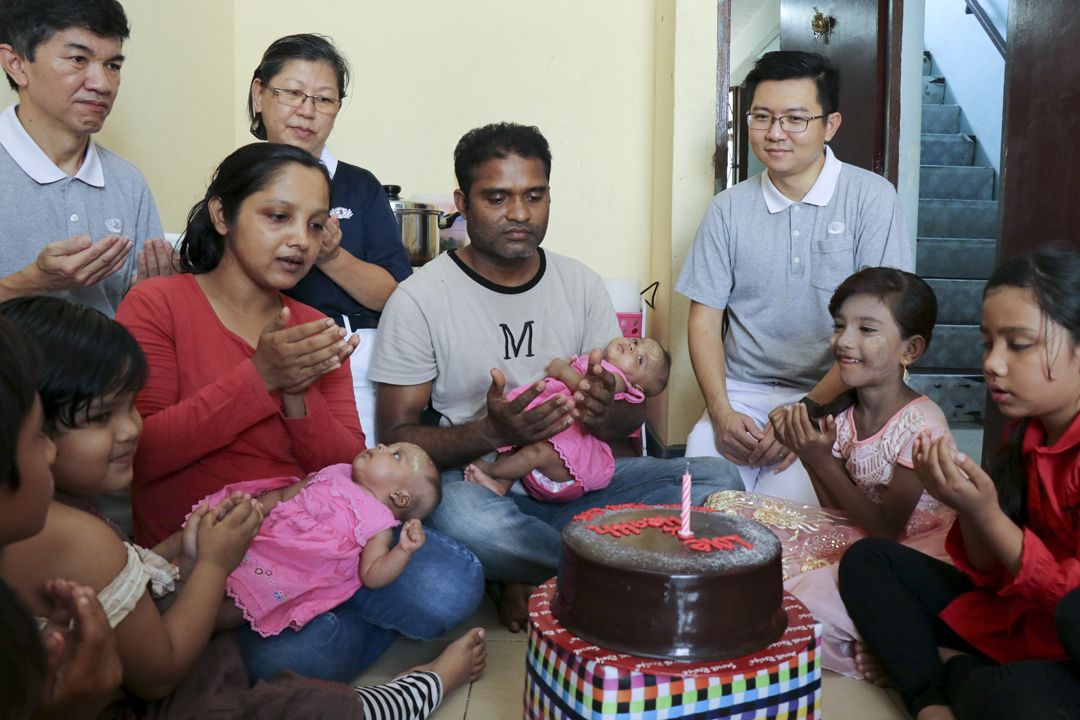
(244, 382)
(998, 635)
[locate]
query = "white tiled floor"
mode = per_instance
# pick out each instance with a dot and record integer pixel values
(497, 695)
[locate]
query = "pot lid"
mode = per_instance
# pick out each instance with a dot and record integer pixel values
(393, 193)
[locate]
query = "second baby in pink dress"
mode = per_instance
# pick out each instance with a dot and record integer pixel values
(567, 465)
(328, 535)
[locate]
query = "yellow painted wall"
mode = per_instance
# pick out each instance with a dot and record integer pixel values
(586, 72)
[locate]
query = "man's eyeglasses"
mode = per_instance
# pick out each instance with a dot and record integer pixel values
(296, 98)
(788, 123)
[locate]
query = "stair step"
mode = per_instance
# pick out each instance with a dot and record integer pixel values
(940, 118)
(958, 218)
(960, 182)
(959, 301)
(933, 90)
(962, 397)
(951, 257)
(947, 149)
(954, 346)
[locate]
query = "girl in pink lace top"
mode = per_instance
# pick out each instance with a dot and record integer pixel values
(860, 459)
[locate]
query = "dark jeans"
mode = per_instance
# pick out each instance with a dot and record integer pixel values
(894, 594)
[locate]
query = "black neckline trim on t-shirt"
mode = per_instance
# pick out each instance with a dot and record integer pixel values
(495, 287)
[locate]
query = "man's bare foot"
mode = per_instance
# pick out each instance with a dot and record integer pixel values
(868, 665)
(477, 473)
(462, 661)
(935, 712)
(513, 602)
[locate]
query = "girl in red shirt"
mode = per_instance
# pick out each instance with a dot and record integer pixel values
(998, 635)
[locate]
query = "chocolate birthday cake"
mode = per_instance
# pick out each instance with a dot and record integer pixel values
(629, 583)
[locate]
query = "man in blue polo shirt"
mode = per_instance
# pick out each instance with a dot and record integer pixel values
(77, 220)
(769, 252)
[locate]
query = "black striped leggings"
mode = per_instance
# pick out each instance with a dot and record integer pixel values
(410, 697)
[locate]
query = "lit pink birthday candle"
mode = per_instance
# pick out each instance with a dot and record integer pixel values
(684, 530)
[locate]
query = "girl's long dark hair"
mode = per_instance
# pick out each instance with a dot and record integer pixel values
(86, 356)
(1052, 275)
(243, 173)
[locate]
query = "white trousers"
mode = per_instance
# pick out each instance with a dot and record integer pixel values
(363, 389)
(757, 401)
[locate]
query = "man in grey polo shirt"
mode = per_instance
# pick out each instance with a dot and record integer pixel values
(76, 220)
(770, 251)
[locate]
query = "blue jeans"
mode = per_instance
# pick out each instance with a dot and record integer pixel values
(440, 587)
(517, 537)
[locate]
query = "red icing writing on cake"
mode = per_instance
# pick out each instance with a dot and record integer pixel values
(667, 524)
(723, 542)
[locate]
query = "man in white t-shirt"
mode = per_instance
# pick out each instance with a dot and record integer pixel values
(470, 325)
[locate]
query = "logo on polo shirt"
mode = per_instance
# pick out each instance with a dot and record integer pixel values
(341, 213)
(114, 225)
(835, 228)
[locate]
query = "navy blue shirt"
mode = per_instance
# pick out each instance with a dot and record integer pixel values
(370, 232)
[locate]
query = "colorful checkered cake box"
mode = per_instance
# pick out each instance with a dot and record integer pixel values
(567, 677)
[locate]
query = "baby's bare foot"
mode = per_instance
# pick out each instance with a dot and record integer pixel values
(462, 661)
(476, 473)
(868, 665)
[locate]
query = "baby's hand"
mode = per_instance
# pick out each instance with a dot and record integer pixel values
(224, 536)
(412, 536)
(190, 536)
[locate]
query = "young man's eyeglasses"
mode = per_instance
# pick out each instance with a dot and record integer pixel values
(788, 123)
(296, 98)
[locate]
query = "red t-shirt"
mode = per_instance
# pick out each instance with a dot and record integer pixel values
(1012, 618)
(208, 419)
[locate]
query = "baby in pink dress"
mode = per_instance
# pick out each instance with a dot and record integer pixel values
(573, 462)
(328, 535)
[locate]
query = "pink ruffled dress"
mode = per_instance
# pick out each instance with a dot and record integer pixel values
(306, 558)
(587, 458)
(814, 539)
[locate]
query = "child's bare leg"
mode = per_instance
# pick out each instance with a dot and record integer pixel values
(499, 474)
(539, 456)
(462, 661)
(477, 473)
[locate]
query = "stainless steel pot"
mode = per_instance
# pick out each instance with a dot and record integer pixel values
(419, 224)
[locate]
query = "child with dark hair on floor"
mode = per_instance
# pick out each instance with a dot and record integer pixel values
(998, 635)
(70, 668)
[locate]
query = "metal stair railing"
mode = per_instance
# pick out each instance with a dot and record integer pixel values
(974, 7)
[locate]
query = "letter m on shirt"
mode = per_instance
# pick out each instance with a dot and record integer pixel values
(513, 345)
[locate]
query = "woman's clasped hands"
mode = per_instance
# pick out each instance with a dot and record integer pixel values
(291, 359)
